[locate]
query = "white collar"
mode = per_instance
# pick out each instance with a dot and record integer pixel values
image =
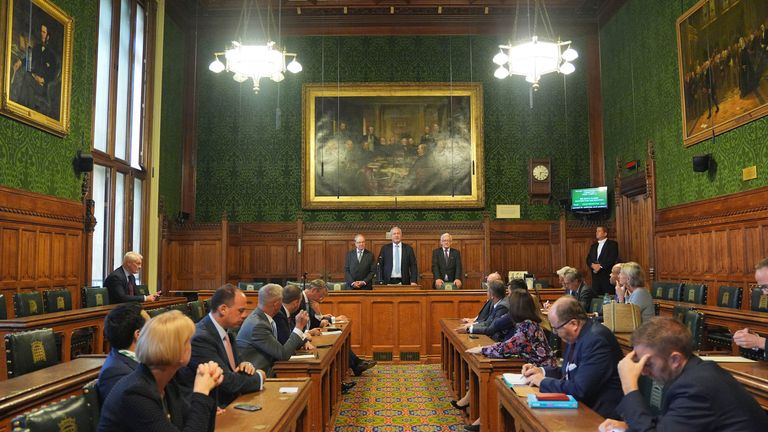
(222, 331)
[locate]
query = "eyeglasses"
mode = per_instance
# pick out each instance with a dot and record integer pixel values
(555, 329)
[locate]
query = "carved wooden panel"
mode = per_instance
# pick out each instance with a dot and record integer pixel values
(383, 336)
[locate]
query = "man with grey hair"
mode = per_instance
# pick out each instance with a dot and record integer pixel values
(488, 306)
(397, 261)
(121, 284)
(257, 339)
(359, 267)
(446, 263)
(575, 286)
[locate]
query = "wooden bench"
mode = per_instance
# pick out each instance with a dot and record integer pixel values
(279, 413)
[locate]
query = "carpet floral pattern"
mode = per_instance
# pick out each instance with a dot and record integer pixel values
(399, 398)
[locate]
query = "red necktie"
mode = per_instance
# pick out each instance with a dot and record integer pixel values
(230, 353)
(131, 285)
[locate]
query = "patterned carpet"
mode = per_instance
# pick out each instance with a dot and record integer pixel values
(399, 398)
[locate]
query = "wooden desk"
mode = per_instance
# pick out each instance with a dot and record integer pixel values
(514, 415)
(460, 366)
(280, 413)
(326, 373)
(21, 394)
(66, 323)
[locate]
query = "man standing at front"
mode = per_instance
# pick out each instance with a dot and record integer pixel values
(398, 261)
(589, 363)
(359, 267)
(601, 258)
(121, 284)
(698, 395)
(446, 263)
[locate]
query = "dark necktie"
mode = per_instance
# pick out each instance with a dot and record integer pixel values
(446, 256)
(131, 285)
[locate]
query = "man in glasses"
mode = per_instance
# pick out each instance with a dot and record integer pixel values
(589, 363)
(698, 395)
(745, 338)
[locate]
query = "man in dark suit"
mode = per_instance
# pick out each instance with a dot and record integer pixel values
(576, 287)
(121, 284)
(446, 263)
(121, 328)
(602, 256)
(359, 267)
(213, 342)
(492, 326)
(589, 363)
(398, 261)
(257, 339)
(698, 395)
(486, 309)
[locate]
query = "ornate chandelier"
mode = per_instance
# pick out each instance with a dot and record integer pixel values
(255, 61)
(532, 57)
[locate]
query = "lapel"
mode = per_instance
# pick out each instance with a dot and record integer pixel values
(211, 329)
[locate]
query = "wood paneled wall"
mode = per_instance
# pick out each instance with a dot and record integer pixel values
(41, 244)
(716, 241)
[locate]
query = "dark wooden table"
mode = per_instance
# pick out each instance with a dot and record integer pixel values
(279, 413)
(21, 394)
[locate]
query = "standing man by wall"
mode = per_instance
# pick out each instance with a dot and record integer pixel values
(398, 261)
(446, 263)
(603, 254)
(359, 266)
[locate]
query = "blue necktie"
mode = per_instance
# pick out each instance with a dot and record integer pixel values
(397, 259)
(274, 329)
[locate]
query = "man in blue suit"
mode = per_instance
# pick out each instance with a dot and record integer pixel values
(492, 326)
(589, 363)
(121, 328)
(398, 261)
(698, 395)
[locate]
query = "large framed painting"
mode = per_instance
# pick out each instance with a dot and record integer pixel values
(37, 64)
(387, 146)
(723, 63)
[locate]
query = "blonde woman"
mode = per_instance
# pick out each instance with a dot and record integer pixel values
(149, 399)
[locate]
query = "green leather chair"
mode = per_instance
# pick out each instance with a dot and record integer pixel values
(183, 308)
(541, 283)
(30, 351)
(759, 301)
(678, 312)
(196, 310)
(250, 286)
(729, 296)
(77, 413)
(694, 293)
(336, 285)
(155, 312)
(3, 307)
(652, 393)
(666, 290)
(95, 296)
(694, 320)
(28, 304)
(58, 300)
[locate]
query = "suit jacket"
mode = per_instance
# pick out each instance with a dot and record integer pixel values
(408, 268)
(485, 311)
(359, 271)
(134, 404)
(117, 286)
(452, 268)
(495, 326)
(284, 325)
(704, 397)
(593, 378)
(115, 367)
(259, 345)
(608, 257)
(208, 346)
(314, 316)
(584, 295)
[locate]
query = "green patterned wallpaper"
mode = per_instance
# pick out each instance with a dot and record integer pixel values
(641, 100)
(251, 169)
(37, 161)
(171, 133)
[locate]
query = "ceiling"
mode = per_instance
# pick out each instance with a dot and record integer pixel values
(386, 17)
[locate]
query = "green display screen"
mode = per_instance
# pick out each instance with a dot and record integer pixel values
(588, 199)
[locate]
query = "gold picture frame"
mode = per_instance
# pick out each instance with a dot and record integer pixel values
(431, 155)
(722, 51)
(37, 65)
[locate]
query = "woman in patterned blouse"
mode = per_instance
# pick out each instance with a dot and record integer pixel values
(528, 342)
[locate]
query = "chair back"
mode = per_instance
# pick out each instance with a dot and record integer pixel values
(652, 393)
(91, 389)
(694, 320)
(666, 290)
(678, 312)
(541, 283)
(155, 312)
(142, 290)
(752, 354)
(336, 285)
(28, 304)
(759, 301)
(196, 310)
(77, 413)
(58, 300)
(694, 293)
(183, 308)
(30, 351)
(250, 286)
(3, 307)
(729, 296)
(95, 296)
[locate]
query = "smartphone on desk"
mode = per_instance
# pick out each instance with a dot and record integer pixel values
(474, 336)
(248, 407)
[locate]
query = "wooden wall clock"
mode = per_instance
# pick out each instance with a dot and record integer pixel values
(539, 181)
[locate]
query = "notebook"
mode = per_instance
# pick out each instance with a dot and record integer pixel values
(544, 400)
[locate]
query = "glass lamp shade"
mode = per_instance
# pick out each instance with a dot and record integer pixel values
(500, 58)
(534, 59)
(570, 55)
(501, 72)
(567, 68)
(216, 66)
(294, 66)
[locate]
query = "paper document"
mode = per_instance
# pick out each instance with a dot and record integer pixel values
(289, 390)
(727, 359)
(302, 357)
(514, 379)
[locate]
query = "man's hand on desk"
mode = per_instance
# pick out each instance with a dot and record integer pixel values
(414, 284)
(438, 283)
(341, 318)
(246, 368)
(475, 350)
(462, 329)
(534, 375)
(457, 282)
(308, 346)
(324, 323)
(611, 425)
(745, 339)
(315, 332)
(467, 320)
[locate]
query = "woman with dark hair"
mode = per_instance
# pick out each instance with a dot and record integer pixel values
(527, 342)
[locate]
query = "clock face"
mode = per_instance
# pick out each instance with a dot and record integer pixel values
(540, 172)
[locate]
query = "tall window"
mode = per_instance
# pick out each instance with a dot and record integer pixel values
(120, 138)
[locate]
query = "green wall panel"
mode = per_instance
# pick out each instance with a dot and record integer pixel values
(641, 102)
(37, 161)
(249, 168)
(171, 129)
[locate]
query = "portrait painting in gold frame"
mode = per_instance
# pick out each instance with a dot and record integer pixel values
(37, 64)
(391, 146)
